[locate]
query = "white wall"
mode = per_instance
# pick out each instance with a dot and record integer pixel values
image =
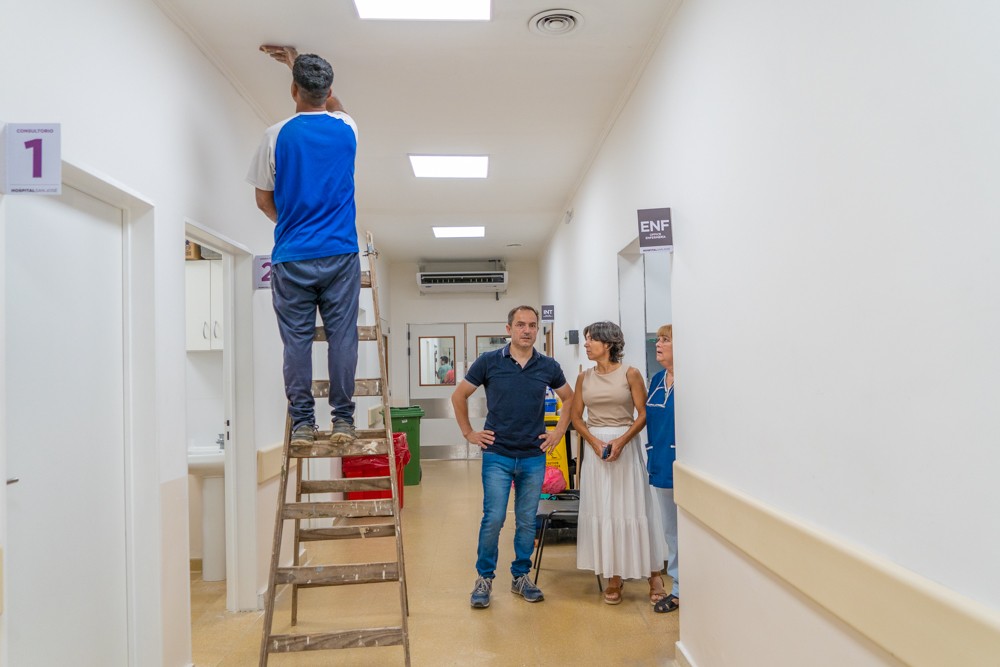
(408, 306)
(831, 171)
(139, 104)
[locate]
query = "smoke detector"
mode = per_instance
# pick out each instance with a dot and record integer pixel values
(555, 22)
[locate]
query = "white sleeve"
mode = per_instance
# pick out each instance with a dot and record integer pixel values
(347, 119)
(261, 171)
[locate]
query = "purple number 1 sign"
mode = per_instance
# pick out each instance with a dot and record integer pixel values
(32, 160)
(35, 146)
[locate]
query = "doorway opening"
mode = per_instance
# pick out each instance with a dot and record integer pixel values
(644, 303)
(219, 428)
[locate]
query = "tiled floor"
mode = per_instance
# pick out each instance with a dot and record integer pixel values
(440, 524)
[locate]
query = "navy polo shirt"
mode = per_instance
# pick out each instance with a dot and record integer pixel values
(515, 399)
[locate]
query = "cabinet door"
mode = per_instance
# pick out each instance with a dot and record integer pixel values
(197, 324)
(215, 307)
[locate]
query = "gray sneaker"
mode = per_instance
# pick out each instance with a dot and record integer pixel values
(342, 433)
(481, 593)
(304, 434)
(524, 587)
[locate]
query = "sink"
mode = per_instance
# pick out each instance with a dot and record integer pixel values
(208, 464)
(206, 461)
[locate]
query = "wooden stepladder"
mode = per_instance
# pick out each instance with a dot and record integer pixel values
(351, 519)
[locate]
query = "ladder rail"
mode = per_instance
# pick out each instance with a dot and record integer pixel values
(276, 545)
(301, 469)
(387, 420)
(369, 442)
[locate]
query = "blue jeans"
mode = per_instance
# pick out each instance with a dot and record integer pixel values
(527, 475)
(332, 285)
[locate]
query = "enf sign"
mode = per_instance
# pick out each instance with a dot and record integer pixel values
(654, 225)
(655, 233)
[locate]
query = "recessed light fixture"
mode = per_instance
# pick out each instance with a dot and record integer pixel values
(450, 166)
(459, 232)
(424, 10)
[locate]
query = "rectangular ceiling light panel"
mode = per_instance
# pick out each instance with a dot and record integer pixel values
(424, 10)
(459, 232)
(450, 166)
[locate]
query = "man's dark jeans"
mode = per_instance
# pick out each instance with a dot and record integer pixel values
(331, 285)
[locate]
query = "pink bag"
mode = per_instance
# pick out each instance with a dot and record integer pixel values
(554, 481)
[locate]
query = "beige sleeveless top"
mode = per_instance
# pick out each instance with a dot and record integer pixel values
(608, 398)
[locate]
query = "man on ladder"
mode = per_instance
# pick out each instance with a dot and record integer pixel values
(303, 174)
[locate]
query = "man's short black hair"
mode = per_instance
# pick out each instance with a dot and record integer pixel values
(314, 77)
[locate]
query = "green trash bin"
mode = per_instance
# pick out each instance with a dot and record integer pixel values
(407, 420)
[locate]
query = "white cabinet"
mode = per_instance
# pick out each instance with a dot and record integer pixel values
(203, 300)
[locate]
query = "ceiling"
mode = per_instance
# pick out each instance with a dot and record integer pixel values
(538, 105)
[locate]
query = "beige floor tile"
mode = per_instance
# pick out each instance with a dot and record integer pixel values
(572, 626)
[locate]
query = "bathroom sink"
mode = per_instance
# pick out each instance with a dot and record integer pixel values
(207, 464)
(206, 461)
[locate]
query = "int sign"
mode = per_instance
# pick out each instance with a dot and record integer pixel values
(548, 313)
(655, 231)
(262, 271)
(31, 164)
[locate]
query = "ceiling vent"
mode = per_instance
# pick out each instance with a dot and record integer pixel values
(555, 22)
(481, 276)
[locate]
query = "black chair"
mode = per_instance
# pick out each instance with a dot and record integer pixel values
(563, 510)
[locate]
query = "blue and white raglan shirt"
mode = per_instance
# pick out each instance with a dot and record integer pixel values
(308, 162)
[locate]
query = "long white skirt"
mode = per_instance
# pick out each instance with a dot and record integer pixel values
(620, 532)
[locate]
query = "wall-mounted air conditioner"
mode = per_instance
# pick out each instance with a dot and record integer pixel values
(431, 282)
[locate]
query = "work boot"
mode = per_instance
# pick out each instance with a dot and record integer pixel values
(304, 434)
(343, 433)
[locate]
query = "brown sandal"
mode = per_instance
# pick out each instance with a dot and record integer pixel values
(656, 590)
(613, 593)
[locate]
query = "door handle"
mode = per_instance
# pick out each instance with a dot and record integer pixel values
(204, 330)
(13, 480)
(215, 330)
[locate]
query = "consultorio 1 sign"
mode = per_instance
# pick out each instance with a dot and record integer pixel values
(32, 163)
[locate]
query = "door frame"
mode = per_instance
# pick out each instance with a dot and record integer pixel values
(143, 537)
(241, 446)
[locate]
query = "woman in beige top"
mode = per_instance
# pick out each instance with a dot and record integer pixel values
(619, 534)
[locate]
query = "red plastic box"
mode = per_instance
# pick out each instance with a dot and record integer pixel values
(378, 466)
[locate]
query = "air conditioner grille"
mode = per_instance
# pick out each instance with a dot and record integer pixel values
(462, 279)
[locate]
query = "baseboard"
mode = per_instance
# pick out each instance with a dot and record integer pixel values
(913, 618)
(681, 656)
(195, 564)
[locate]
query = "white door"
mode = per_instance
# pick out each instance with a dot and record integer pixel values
(66, 579)
(431, 385)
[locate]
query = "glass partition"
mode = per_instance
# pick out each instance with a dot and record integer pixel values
(437, 360)
(489, 343)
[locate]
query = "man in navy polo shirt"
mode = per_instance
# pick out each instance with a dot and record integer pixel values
(514, 443)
